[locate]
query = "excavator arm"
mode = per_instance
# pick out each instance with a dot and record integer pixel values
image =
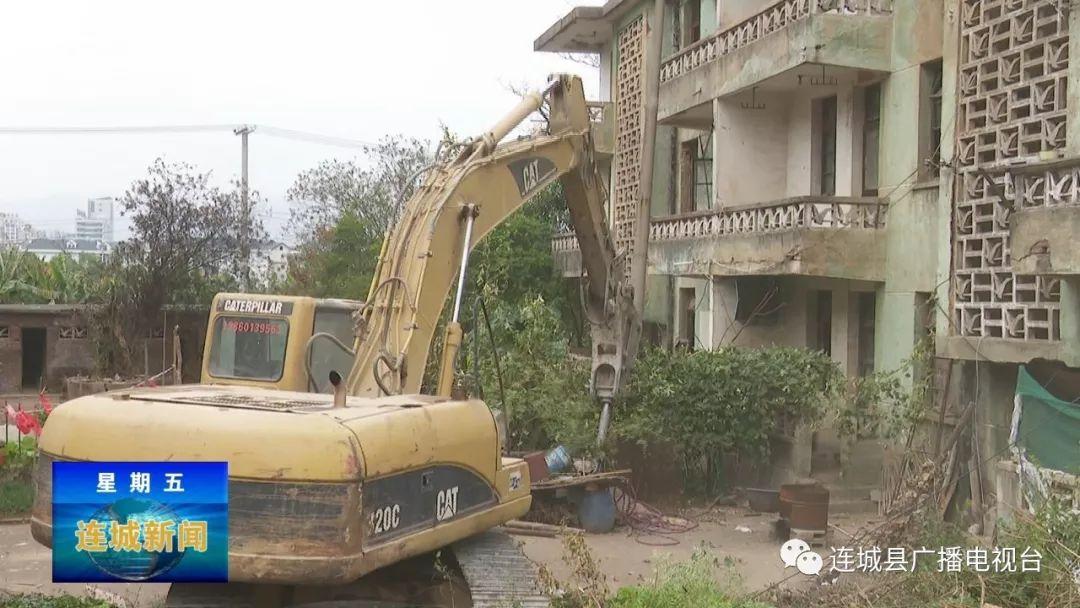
(458, 203)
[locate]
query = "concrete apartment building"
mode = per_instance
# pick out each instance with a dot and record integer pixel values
(13, 230)
(96, 223)
(849, 176)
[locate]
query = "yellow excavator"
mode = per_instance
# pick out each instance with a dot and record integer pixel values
(337, 465)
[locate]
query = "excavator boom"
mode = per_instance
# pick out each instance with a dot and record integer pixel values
(461, 201)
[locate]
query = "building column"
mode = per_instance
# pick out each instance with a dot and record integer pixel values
(843, 327)
(724, 301)
(1070, 318)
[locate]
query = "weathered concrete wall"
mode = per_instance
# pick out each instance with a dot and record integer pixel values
(709, 17)
(731, 12)
(751, 143)
(918, 32)
(63, 356)
(1043, 240)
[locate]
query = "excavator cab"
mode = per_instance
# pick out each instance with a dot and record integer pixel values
(288, 343)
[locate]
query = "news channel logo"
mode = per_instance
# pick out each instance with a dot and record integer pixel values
(140, 522)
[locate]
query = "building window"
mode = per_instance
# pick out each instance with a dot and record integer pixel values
(758, 300)
(871, 138)
(695, 174)
(691, 22)
(826, 147)
(5, 332)
(703, 167)
(930, 84)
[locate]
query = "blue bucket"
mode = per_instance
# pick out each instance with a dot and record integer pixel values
(558, 459)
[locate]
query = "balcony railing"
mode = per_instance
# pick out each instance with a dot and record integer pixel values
(564, 241)
(772, 19)
(760, 218)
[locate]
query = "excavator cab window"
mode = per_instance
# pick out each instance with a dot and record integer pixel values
(251, 348)
(325, 355)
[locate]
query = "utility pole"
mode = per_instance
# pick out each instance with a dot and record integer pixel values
(245, 207)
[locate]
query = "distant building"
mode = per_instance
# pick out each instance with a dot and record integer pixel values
(269, 261)
(96, 223)
(46, 249)
(14, 230)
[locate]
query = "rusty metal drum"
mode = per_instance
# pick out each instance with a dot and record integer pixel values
(805, 506)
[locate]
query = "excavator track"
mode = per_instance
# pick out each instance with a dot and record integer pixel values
(498, 573)
(492, 571)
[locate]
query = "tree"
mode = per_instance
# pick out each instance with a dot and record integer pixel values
(184, 247)
(370, 192)
(338, 263)
(513, 265)
(342, 211)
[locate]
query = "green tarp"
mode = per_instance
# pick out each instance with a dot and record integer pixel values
(1049, 430)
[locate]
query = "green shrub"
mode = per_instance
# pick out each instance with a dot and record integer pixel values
(546, 389)
(710, 405)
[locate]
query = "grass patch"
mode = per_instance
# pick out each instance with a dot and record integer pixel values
(36, 600)
(690, 584)
(16, 498)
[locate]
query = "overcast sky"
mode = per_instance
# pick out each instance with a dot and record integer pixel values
(349, 68)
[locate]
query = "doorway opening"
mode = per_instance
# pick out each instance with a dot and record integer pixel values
(33, 357)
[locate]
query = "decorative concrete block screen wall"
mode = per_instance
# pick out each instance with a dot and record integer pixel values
(1013, 64)
(629, 124)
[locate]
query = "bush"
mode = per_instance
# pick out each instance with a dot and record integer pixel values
(546, 389)
(715, 404)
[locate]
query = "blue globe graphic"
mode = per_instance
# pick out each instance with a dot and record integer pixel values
(136, 565)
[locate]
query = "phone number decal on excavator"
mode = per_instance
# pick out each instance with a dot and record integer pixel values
(254, 327)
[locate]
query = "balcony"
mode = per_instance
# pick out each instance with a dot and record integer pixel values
(839, 237)
(846, 34)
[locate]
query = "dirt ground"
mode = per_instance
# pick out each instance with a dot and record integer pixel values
(628, 559)
(25, 566)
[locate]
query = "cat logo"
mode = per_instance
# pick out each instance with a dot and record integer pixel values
(446, 504)
(530, 173)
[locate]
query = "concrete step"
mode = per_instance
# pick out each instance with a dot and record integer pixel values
(852, 506)
(846, 492)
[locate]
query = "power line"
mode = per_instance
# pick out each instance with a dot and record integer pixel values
(315, 138)
(114, 130)
(294, 134)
